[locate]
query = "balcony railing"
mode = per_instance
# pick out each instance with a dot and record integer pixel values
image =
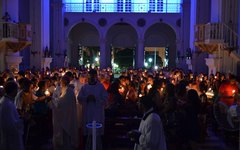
(124, 7)
(17, 31)
(216, 32)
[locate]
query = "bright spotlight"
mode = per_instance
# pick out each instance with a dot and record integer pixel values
(150, 60)
(96, 59)
(145, 64)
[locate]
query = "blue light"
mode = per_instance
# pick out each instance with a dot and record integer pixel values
(124, 6)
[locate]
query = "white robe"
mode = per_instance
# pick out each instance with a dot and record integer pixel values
(152, 134)
(93, 111)
(65, 120)
(18, 100)
(11, 126)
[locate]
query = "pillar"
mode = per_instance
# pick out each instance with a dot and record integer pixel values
(139, 57)
(103, 53)
(10, 6)
(213, 60)
(39, 18)
(57, 39)
(193, 16)
(216, 11)
(185, 25)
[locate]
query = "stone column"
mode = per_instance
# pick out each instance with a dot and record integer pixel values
(193, 16)
(10, 6)
(58, 42)
(216, 10)
(213, 60)
(39, 18)
(139, 57)
(103, 53)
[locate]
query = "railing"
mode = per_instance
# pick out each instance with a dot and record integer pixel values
(124, 7)
(19, 31)
(217, 32)
(220, 33)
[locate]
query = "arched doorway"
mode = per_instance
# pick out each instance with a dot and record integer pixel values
(83, 46)
(122, 39)
(160, 46)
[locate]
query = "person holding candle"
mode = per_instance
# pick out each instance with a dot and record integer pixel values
(65, 130)
(150, 135)
(40, 107)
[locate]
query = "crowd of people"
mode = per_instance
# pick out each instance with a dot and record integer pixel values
(64, 100)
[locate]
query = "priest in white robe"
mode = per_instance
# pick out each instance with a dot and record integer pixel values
(93, 97)
(65, 130)
(11, 126)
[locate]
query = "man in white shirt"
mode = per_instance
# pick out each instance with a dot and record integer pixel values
(150, 135)
(11, 126)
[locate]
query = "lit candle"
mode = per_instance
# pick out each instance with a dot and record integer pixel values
(161, 89)
(140, 95)
(209, 94)
(121, 89)
(233, 91)
(47, 93)
(36, 89)
(1, 86)
(149, 86)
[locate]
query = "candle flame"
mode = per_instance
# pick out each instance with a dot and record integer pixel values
(47, 93)
(149, 86)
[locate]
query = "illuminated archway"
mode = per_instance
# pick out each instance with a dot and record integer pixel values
(122, 41)
(83, 45)
(160, 40)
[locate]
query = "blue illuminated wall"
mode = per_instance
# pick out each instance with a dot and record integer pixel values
(126, 6)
